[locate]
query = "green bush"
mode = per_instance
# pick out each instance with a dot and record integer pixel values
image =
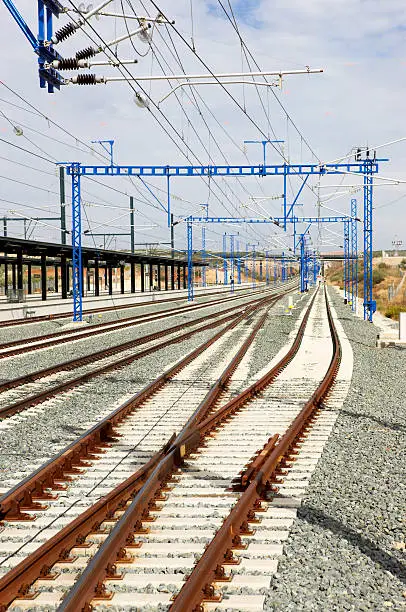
(383, 266)
(393, 311)
(377, 277)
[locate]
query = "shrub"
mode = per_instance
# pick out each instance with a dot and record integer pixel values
(377, 277)
(393, 311)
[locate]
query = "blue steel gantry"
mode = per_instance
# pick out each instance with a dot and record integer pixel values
(367, 168)
(346, 275)
(369, 303)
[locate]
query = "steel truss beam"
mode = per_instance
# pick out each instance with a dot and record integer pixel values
(214, 170)
(346, 260)
(77, 270)
(367, 168)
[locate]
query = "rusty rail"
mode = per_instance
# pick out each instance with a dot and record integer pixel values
(41, 396)
(40, 562)
(62, 315)
(154, 474)
(80, 596)
(33, 488)
(198, 587)
(61, 337)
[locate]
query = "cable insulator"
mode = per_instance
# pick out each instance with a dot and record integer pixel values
(85, 53)
(70, 63)
(86, 79)
(66, 31)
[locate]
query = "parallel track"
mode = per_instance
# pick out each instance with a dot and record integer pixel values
(25, 345)
(39, 485)
(156, 341)
(86, 311)
(128, 529)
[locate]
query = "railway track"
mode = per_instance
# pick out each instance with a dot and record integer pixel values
(89, 311)
(197, 498)
(21, 393)
(141, 438)
(25, 345)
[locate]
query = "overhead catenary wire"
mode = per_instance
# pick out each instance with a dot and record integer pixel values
(51, 121)
(175, 130)
(123, 69)
(172, 26)
(195, 95)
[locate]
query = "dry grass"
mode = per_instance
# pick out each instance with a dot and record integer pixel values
(384, 278)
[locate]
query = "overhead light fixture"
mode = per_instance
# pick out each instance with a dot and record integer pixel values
(140, 100)
(144, 35)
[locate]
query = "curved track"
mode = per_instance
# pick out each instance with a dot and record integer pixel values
(187, 497)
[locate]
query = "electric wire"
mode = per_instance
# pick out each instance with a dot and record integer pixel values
(123, 69)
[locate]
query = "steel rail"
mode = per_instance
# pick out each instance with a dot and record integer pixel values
(33, 488)
(90, 583)
(60, 337)
(210, 568)
(49, 392)
(39, 563)
(68, 314)
(108, 352)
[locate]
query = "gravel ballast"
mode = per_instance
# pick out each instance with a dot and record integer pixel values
(23, 364)
(33, 330)
(346, 550)
(37, 437)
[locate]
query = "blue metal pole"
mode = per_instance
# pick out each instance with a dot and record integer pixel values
(346, 259)
(354, 256)
(232, 263)
(302, 264)
(203, 256)
(369, 303)
(225, 268)
(238, 264)
(77, 270)
(189, 262)
(275, 271)
(266, 268)
(306, 274)
(246, 263)
(284, 196)
(315, 268)
(283, 267)
(253, 265)
(168, 199)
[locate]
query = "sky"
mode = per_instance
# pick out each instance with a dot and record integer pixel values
(357, 101)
